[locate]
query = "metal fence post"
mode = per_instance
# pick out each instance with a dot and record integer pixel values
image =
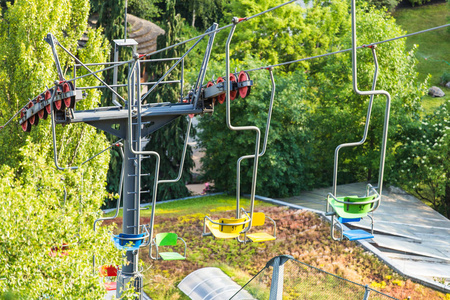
(276, 287)
(367, 293)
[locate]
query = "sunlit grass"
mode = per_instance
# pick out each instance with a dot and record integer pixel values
(206, 204)
(432, 54)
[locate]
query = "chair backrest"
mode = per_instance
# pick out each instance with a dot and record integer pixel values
(231, 228)
(134, 243)
(166, 239)
(258, 219)
(358, 208)
(108, 271)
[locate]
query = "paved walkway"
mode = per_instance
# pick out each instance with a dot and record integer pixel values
(409, 235)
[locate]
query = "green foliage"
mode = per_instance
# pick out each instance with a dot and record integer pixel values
(340, 114)
(287, 145)
(200, 13)
(423, 159)
(389, 4)
(35, 216)
(418, 2)
(317, 110)
(145, 9)
(269, 37)
(111, 15)
(445, 77)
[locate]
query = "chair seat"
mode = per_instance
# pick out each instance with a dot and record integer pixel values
(171, 256)
(110, 286)
(357, 234)
(260, 237)
(214, 228)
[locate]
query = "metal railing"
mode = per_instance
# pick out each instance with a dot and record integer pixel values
(286, 278)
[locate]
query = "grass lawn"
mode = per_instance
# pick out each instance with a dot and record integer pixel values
(433, 53)
(301, 234)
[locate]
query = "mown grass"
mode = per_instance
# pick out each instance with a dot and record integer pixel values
(432, 53)
(299, 233)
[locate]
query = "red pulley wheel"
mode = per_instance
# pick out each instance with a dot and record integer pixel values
(47, 96)
(59, 104)
(221, 97)
(69, 101)
(233, 94)
(43, 112)
(26, 126)
(244, 91)
(34, 120)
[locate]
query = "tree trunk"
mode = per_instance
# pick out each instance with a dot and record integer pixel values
(446, 199)
(193, 18)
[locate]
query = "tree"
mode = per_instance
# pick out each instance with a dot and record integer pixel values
(282, 170)
(423, 159)
(340, 113)
(36, 219)
(335, 114)
(201, 14)
(169, 140)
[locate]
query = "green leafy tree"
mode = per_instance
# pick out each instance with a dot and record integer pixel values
(340, 113)
(169, 140)
(423, 159)
(336, 114)
(200, 13)
(37, 220)
(282, 170)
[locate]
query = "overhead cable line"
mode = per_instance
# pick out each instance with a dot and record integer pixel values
(349, 49)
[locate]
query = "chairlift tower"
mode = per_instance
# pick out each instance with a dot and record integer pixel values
(131, 121)
(145, 119)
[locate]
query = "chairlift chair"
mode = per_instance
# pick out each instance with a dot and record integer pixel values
(352, 208)
(259, 219)
(225, 228)
(108, 273)
(167, 239)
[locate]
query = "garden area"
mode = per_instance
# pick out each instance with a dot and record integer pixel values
(301, 234)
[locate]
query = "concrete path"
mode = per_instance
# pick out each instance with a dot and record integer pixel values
(409, 235)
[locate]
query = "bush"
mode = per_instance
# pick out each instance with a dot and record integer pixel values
(445, 77)
(418, 2)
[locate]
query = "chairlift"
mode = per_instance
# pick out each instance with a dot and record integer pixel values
(353, 208)
(108, 273)
(167, 239)
(227, 228)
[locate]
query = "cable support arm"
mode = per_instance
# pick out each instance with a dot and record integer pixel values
(120, 145)
(183, 156)
(266, 135)
(167, 73)
(131, 96)
(375, 92)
